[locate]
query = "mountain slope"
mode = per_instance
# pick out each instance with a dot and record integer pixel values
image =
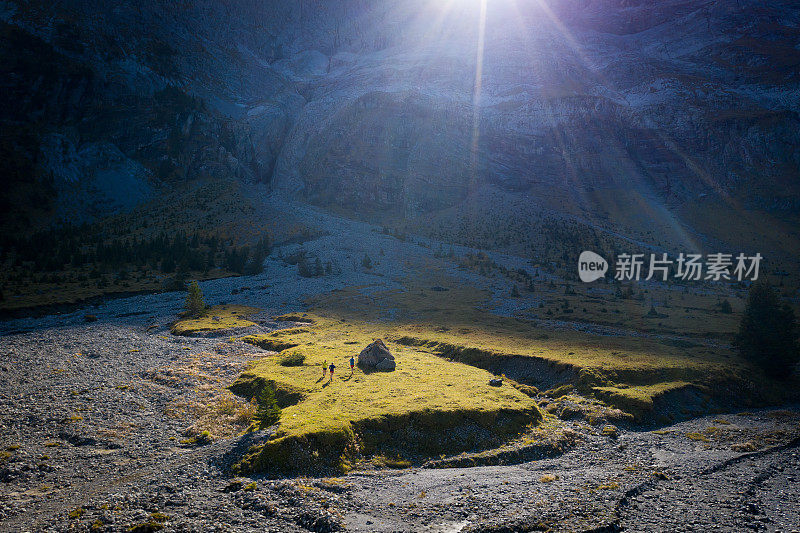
(624, 114)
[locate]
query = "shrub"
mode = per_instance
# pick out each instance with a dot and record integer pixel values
(309, 269)
(768, 332)
(268, 412)
(255, 265)
(195, 303)
(304, 268)
(292, 359)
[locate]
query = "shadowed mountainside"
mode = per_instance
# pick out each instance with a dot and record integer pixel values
(638, 117)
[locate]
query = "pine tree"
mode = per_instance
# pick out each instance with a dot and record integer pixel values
(168, 265)
(268, 412)
(768, 332)
(304, 267)
(195, 303)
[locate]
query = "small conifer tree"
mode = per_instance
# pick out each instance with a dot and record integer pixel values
(366, 261)
(268, 412)
(195, 303)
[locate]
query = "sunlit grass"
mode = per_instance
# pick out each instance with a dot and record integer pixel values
(362, 409)
(458, 317)
(218, 317)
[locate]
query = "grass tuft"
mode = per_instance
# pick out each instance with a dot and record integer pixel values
(699, 437)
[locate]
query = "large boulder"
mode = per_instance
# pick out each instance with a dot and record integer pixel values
(377, 356)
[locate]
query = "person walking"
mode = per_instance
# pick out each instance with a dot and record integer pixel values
(331, 369)
(324, 368)
(352, 364)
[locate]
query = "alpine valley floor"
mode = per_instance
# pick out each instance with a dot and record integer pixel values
(634, 421)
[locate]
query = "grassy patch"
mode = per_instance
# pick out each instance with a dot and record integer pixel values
(295, 317)
(274, 341)
(627, 372)
(146, 527)
(638, 399)
(218, 317)
(698, 437)
(382, 461)
(292, 359)
(406, 415)
(447, 346)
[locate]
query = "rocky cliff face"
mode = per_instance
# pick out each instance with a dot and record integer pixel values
(613, 111)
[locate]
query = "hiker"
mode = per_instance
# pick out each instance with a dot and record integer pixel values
(324, 368)
(352, 364)
(331, 368)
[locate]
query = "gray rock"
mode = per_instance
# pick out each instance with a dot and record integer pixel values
(377, 356)
(386, 364)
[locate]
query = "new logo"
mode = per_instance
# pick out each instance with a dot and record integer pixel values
(591, 266)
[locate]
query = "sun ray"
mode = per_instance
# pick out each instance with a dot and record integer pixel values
(476, 95)
(669, 217)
